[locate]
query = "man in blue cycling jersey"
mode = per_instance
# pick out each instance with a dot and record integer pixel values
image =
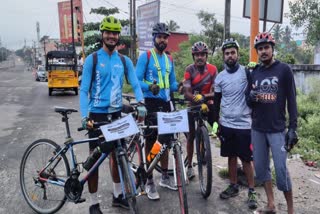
(101, 97)
(155, 71)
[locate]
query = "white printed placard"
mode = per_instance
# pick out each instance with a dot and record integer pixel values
(173, 122)
(124, 127)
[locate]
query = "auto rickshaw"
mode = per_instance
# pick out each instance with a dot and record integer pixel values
(62, 72)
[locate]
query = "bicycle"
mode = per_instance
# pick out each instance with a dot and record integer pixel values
(137, 158)
(47, 181)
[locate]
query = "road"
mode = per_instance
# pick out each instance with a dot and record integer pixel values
(27, 114)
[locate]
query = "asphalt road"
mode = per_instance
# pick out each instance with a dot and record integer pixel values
(27, 114)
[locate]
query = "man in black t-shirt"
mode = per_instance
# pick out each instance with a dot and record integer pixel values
(271, 89)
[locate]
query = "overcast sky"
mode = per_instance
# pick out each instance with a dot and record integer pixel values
(18, 20)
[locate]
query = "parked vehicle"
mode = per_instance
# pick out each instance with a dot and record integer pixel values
(41, 74)
(62, 72)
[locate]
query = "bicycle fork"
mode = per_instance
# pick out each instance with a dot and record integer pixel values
(174, 167)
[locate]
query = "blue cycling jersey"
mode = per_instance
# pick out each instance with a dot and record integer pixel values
(150, 73)
(106, 93)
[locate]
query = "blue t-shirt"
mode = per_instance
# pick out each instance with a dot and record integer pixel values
(149, 72)
(106, 93)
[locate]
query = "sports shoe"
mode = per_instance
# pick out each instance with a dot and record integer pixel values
(151, 191)
(231, 191)
(190, 173)
(95, 209)
(120, 202)
(252, 200)
(167, 182)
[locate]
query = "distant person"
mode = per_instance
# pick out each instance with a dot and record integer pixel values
(272, 89)
(155, 71)
(198, 88)
(100, 97)
(234, 120)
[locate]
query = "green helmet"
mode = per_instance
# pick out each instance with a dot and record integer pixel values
(110, 23)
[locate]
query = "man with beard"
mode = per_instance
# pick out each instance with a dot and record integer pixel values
(101, 97)
(155, 71)
(198, 85)
(272, 88)
(234, 120)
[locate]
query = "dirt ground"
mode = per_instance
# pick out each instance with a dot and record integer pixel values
(305, 179)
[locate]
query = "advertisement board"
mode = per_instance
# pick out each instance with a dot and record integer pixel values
(269, 10)
(64, 9)
(147, 15)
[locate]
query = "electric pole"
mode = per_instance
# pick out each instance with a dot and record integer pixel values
(133, 34)
(227, 9)
(72, 27)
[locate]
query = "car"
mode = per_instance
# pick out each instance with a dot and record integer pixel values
(41, 74)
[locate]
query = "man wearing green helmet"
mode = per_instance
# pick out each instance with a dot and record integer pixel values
(101, 97)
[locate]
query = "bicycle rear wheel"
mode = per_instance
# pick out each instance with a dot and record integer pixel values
(42, 196)
(181, 181)
(204, 161)
(128, 180)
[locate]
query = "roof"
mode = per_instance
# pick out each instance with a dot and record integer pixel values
(61, 54)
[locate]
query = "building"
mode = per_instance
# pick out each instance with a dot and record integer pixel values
(175, 40)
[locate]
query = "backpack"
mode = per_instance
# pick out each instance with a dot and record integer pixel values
(95, 61)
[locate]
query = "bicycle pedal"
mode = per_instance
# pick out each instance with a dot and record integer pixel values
(81, 200)
(141, 194)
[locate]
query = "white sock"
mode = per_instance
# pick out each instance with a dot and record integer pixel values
(94, 198)
(117, 189)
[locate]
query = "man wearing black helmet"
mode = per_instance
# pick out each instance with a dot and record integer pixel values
(100, 97)
(198, 85)
(234, 118)
(272, 89)
(155, 71)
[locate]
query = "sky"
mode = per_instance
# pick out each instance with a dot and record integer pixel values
(18, 21)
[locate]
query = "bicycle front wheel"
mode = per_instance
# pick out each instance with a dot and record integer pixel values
(128, 180)
(42, 196)
(204, 161)
(181, 181)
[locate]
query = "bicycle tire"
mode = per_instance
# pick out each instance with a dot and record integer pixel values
(134, 154)
(40, 196)
(181, 181)
(204, 161)
(128, 185)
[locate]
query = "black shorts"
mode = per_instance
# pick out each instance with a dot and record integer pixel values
(100, 117)
(153, 106)
(236, 143)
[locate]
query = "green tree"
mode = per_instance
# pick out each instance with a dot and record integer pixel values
(173, 26)
(286, 38)
(244, 41)
(213, 30)
(277, 33)
(305, 13)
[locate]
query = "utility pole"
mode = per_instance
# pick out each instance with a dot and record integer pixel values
(254, 28)
(227, 9)
(72, 27)
(133, 34)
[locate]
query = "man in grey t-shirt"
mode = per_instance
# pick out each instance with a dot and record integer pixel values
(235, 120)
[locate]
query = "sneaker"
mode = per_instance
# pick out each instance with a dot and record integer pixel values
(151, 191)
(190, 173)
(231, 191)
(95, 209)
(167, 182)
(120, 202)
(252, 200)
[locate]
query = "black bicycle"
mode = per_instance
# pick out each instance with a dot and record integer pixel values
(47, 181)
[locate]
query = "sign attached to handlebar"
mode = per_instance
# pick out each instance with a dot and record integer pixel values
(122, 128)
(173, 122)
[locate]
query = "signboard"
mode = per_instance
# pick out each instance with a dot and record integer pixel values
(64, 10)
(147, 16)
(272, 8)
(173, 122)
(122, 128)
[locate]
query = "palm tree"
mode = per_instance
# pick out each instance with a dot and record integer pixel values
(172, 25)
(277, 33)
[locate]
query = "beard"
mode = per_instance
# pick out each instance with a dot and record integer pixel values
(109, 46)
(160, 46)
(231, 63)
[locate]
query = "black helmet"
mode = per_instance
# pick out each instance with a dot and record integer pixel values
(160, 28)
(230, 43)
(199, 47)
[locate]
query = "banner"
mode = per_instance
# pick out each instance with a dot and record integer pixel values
(64, 9)
(147, 16)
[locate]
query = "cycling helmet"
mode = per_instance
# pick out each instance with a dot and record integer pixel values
(110, 23)
(160, 28)
(199, 47)
(230, 43)
(264, 37)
